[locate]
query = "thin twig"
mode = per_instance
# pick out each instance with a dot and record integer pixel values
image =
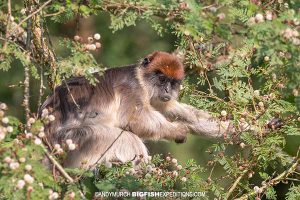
(122, 131)
(211, 171)
(209, 84)
(20, 47)
(58, 166)
(292, 179)
(26, 92)
(232, 188)
(69, 91)
(33, 13)
(209, 6)
(159, 12)
(108, 149)
(101, 156)
(204, 94)
(53, 14)
(265, 6)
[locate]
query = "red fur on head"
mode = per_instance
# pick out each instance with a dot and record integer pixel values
(166, 63)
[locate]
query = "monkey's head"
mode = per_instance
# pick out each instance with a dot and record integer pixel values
(162, 73)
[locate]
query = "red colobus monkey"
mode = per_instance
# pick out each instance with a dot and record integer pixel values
(109, 121)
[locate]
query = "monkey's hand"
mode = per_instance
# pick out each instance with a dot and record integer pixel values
(181, 132)
(180, 140)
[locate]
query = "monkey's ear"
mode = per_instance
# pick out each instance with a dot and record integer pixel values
(149, 58)
(145, 62)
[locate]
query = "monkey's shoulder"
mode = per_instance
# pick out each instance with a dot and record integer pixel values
(119, 80)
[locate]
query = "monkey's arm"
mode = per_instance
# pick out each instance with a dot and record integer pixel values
(149, 123)
(198, 121)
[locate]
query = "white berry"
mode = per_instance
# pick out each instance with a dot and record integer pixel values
(223, 113)
(53, 195)
(45, 112)
(179, 167)
(256, 93)
(31, 120)
(76, 38)
(69, 141)
(257, 190)
(266, 58)
(221, 16)
(175, 173)
(71, 147)
(10, 129)
(92, 47)
(20, 184)
(42, 134)
(28, 135)
(51, 118)
(37, 141)
(28, 168)
(3, 106)
(7, 159)
(5, 120)
(57, 146)
(97, 36)
(29, 179)
(269, 15)
(98, 45)
(242, 145)
(2, 136)
(174, 161)
(183, 179)
(14, 165)
(259, 17)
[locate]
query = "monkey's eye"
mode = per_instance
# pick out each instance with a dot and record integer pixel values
(162, 79)
(146, 61)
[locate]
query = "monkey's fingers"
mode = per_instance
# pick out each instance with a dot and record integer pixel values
(180, 140)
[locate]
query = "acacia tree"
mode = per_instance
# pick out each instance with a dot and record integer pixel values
(244, 56)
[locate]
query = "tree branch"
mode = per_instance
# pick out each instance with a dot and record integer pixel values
(33, 13)
(26, 92)
(7, 22)
(274, 181)
(41, 51)
(232, 188)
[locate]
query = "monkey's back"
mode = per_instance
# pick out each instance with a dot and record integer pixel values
(76, 101)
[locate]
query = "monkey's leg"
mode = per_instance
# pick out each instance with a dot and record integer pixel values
(100, 144)
(151, 124)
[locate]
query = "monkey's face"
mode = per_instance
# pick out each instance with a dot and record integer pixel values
(163, 74)
(163, 87)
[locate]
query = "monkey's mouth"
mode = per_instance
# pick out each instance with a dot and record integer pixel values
(165, 98)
